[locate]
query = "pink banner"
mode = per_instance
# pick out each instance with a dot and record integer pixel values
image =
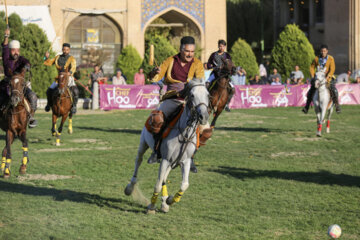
(129, 96)
(246, 96)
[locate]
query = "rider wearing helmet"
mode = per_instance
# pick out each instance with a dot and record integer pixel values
(216, 62)
(323, 60)
(63, 62)
(14, 63)
(177, 70)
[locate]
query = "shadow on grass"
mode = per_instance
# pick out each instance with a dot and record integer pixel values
(244, 129)
(69, 195)
(131, 131)
(321, 177)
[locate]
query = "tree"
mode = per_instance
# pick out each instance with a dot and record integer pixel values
(129, 62)
(162, 50)
(242, 55)
(292, 48)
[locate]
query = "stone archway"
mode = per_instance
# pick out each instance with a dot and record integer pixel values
(95, 39)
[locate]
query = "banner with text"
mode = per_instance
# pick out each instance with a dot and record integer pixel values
(246, 96)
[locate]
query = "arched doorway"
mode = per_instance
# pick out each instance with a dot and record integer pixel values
(94, 39)
(179, 24)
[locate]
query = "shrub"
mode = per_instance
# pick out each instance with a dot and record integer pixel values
(242, 55)
(292, 48)
(129, 62)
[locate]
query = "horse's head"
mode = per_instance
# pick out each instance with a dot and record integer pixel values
(198, 99)
(228, 67)
(320, 77)
(17, 86)
(63, 80)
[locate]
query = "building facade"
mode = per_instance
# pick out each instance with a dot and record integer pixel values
(110, 25)
(333, 22)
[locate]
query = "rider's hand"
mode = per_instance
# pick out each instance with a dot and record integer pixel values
(47, 54)
(153, 72)
(27, 67)
(7, 32)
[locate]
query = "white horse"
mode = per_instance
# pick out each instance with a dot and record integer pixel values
(178, 147)
(322, 101)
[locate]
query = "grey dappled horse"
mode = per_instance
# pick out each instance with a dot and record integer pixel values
(178, 147)
(322, 100)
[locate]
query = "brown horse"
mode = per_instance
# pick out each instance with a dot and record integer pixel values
(62, 103)
(14, 122)
(220, 90)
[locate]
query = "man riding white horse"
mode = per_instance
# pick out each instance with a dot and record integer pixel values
(216, 62)
(13, 63)
(63, 62)
(324, 60)
(177, 70)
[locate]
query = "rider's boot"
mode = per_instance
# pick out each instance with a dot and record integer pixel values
(231, 94)
(310, 95)
(334, 95)
(49, 93)
(192, 165)
(75, 94)
(31, 97)
(155, 155)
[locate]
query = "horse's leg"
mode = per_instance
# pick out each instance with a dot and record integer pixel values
(162, 171)
(58, 134)
(216, 115)
(3, 160)
(164, 193)
(53, 126)
(9, 140)
(25, 159)
(70, 128)
(185, 169)
(139, 158)
(330, 111)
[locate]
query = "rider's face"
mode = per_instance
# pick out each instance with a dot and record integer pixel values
(323, 52)
(66, 50)
(187, 53)
(15, 53)
(221, 48)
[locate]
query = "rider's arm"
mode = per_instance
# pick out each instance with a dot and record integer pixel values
(199, 69)
(210, 64)
(332, 69)
(313, 66)
(5, 47)
(72, 69)
(163, 69)
(49, 62)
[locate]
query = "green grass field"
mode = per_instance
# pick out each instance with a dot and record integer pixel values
(263, 175)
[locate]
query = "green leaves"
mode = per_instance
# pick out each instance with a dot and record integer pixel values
(129, 61)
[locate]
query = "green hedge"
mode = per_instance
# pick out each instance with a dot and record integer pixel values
(129, 61)
(242, 55)
(292, 48)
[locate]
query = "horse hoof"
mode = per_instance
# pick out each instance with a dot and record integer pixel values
(129, 189)
(6, 176)
(22, 169)
(57, 144)
(327, 130)
(318, 134)
(169, 200)
(70, 131)
(151, 209)
(164, 208)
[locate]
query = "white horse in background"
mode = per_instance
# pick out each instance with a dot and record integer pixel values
(322, 100)
(178, 147)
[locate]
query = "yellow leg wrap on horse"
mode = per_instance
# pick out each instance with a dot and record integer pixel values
(58, 140)
(7, 169)
(154, 197)
(178, 196)
(25, 149)
(25, 160)
(70, 121)
(164, 191)
(3, 160)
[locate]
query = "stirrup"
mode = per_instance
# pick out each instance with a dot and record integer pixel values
(153, 158)
(338, 109)
(305, 110)
(73, 110)
(193, 166)
(32, 123)
(47, 108)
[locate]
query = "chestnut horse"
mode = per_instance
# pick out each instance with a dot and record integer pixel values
(14, 122)
(220, 90)
(62, 103)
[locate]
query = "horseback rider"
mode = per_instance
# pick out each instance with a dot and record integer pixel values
(178, 70)
(63, 62)
(14, 63)
(323, 60)
(216, 62)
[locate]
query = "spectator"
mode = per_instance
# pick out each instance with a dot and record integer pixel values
(96, 76)
(358, 79)
(256, 80)
(240, 77)
(139, 77)
(288, 81)
(263, 72)
(276, 82)
(118, 79)
(273, 76)
(297, 76)
(344, 77)
(207, 72)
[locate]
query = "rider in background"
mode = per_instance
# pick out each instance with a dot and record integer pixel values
(14, 63)
(177, 71)
(63, 62)
(216, 62)
(324, 60)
